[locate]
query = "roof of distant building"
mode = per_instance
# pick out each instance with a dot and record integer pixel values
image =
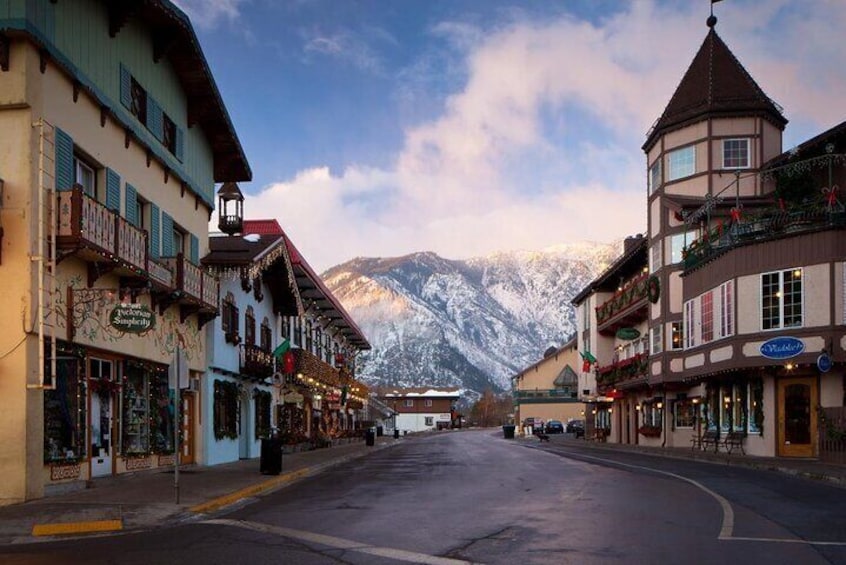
(430, 392)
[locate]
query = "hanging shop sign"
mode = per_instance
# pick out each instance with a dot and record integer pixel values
(628, 333)
(824, 362)
(783, 347)
(132, 318)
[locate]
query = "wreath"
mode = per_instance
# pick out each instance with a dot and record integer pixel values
(653, 289)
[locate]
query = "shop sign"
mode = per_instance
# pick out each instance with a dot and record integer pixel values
(132, 318)
(293, 398)
(783, 347)
(824, 362)
(628, 334)
(444, 418)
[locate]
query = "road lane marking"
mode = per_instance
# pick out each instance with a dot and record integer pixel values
(68, 528)
(339, 543)
(728, 513)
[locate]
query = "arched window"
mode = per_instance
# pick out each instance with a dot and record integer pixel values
(229, 319)
(250, 327)
(266, 334)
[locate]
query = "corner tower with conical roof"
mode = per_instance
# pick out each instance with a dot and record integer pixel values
(703, 155)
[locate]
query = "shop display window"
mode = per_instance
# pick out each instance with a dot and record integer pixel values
(136, 411)
(64, 414)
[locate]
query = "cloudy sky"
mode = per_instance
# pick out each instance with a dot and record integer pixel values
(385, 127)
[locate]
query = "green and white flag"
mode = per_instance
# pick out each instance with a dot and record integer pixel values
(282, 348)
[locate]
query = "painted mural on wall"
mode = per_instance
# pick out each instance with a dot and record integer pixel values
(95, 310)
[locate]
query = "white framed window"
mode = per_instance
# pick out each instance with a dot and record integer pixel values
(727, 309)
(656, 344)
(681, 163)
(430, 421)
(676, 336)
(736, 153)
(409, 402)
(586, 311)
(654, 176)
(691, 335)
(781, 299)
(85, 175)
(427, 403)
(656, 257)
(678, 242)
(706, 316)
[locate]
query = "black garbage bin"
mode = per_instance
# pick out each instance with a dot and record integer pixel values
(271, 456)
(396, 433)
(379, 431)
(370, 437)
(508, 431)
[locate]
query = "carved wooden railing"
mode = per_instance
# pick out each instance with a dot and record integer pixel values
(255, 361)
(632, 293)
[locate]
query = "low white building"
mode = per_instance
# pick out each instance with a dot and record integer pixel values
(422, 409)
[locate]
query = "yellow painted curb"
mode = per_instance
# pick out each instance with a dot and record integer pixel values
(77, 528)
(232, 498)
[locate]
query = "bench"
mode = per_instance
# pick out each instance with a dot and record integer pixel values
(599, 434)
(706, 440)
(734, 440)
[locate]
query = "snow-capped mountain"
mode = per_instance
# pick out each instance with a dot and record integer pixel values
(473, 323)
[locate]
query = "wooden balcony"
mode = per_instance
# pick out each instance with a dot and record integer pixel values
(631, 370)
(627, 307)
(111, 244)
(313, 367)
(92, 232)
(195, 290)
(256, 362)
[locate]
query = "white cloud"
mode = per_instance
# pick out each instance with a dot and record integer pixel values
(207, 14)
(542, 143)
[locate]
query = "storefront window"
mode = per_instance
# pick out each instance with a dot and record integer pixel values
(64, 414)
(756, 406)
(161, 412)
(225, 410)
(262, 413)
(685, 413)
(136, 410)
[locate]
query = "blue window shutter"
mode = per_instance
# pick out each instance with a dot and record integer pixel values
(125, 87)
(154, 118)
(180, 144)
(167, 235)
(195, 249)
(154, 232)
(112, 190)
(64, 160)
(131, 205)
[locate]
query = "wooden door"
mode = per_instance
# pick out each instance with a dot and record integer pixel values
(797, 417)
(186, 456)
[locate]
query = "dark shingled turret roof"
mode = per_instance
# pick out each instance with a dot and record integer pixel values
(715, 84)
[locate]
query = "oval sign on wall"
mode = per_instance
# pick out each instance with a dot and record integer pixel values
(628, 333)
(783, 347)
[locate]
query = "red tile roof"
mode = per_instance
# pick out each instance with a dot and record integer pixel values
(263, 227)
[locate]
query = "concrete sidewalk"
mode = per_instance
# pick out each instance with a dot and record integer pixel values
(148, 499)
(815, 469)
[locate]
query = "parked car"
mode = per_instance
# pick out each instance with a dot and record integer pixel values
(576, 427)
(554, 427)
(535, 423)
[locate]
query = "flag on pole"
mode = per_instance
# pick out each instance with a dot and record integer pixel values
(282, 348)
(588, 356)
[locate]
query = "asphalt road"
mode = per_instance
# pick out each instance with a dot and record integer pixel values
(474, 497)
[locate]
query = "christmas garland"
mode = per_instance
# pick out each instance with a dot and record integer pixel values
(653, 289)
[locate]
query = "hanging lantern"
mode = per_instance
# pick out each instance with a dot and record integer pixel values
(231, 206)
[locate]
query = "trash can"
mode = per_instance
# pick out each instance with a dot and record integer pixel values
(508, 431)
(379, 431)
(370, 437)
(271, 456)
(396, 433)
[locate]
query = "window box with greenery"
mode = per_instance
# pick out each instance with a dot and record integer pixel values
(649, 431)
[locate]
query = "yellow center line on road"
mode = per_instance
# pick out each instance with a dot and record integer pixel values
(69, 528)
(253, 490)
